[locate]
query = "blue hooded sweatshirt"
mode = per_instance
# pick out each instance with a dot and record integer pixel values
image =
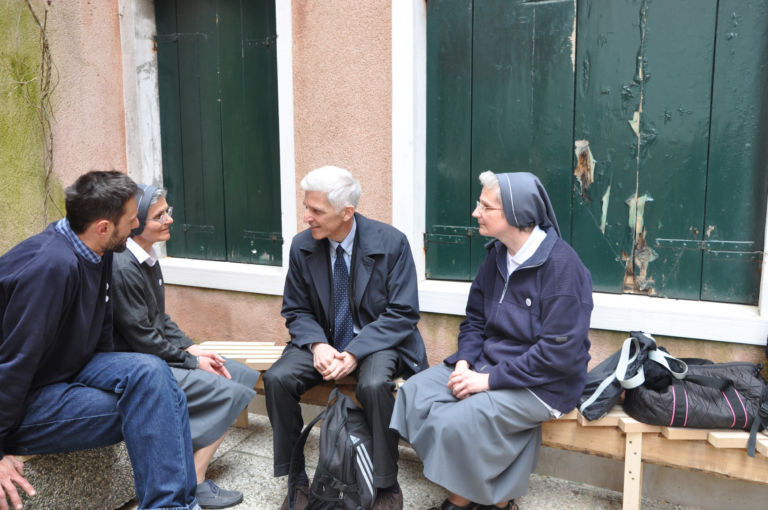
(529, 329)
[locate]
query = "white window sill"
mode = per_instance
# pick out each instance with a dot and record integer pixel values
(673, 317)
(212, 274)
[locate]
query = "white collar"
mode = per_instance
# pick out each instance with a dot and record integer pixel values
(141, 254)
(526, 250)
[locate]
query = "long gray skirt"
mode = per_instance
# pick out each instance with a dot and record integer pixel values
(215, 402)
(483, 448)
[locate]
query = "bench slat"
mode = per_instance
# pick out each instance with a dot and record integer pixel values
(728, 438)
(762, 446)
(611, 419)
(630, 425)
(683, 433)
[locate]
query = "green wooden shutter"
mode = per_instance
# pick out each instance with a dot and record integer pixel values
(677, 205)
(522, 103)
(449, 81)
(670, 97)
(218, 101)
(737, 185)
(639, 67)
(493, 69)
(191, 127)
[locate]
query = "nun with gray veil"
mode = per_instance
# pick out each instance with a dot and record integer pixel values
(475, 420)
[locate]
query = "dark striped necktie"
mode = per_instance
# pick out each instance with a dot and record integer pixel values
(343, 327)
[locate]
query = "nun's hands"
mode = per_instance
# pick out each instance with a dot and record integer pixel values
(466, 382)
(213, 366)
(461, 366)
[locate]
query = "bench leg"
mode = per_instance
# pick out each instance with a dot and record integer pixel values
(242, 420)
(633, 471)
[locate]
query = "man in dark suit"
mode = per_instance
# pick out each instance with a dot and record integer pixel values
(351, 307)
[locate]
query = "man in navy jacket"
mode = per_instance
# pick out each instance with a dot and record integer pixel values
(351, 307)
(61, 386)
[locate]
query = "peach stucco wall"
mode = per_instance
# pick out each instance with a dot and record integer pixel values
(223, 315)
(89, 126)
(342, 53)
(206, 314)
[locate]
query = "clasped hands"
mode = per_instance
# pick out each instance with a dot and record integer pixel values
(332, 364)
(464, 382)
(209, 361)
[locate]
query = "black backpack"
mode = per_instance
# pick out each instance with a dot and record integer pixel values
(344, 475)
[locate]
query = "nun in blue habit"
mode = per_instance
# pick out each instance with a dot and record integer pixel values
(475, 420)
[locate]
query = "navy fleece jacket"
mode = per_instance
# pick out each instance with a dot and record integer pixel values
(55, 313)
(530, 331)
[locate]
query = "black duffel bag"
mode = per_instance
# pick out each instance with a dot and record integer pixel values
(711, 395)
(623, 370)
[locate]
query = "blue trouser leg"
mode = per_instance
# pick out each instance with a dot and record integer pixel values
(117, 396)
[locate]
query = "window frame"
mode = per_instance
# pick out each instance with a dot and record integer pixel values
(144, 157)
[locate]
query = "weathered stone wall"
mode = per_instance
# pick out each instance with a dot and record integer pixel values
(22, 173)
(86, 107)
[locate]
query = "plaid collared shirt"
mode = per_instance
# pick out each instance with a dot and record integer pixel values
(63, 228)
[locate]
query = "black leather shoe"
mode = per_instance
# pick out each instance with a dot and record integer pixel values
(300, 499)
(390, 498)
(447, 505)
(511, 505)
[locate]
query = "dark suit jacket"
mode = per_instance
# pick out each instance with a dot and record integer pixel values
(383, 289)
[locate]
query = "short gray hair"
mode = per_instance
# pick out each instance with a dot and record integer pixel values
(157, 195)
(491, 181)
(338, 184)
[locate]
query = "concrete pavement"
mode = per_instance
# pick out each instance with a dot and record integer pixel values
(244, 463)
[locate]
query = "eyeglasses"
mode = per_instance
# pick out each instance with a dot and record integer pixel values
(163, 216)
(482, 207)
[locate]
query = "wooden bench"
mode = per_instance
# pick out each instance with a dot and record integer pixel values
(619, 436)
(615, 436)
(262, 355)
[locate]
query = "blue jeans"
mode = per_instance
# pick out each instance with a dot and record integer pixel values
(119, 396)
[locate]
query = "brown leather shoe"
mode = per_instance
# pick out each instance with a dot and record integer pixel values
(389, 499)
(300, 500)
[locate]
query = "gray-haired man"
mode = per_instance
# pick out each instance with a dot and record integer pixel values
(351, 307)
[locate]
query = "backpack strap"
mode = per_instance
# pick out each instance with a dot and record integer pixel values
(680, 405)
(625, 360)
(605, 383)
(298, 449)
(662, 358)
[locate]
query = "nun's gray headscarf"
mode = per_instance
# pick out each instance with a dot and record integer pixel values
(143, 198)
(526, 201)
